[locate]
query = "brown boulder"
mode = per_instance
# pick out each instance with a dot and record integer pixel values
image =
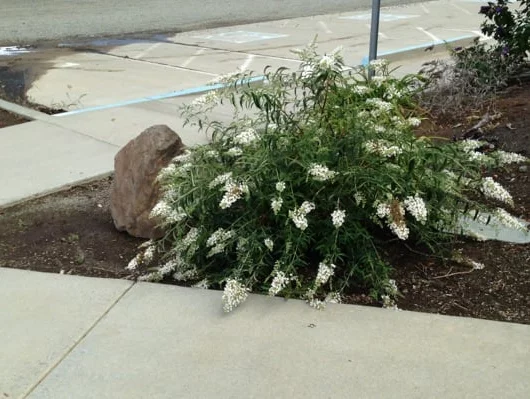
(135, 190)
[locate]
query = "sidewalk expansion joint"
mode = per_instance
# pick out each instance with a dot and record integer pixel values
(76, 343)
(157, 63)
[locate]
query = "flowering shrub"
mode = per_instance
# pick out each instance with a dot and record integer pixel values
(300, 192)
(510, 28)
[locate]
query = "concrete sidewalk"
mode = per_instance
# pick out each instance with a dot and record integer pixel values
(76, 337)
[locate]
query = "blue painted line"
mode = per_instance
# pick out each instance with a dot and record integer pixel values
(173, 94)
(364, 61)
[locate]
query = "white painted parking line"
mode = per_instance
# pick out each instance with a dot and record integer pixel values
(461, 9)
(425, 9)
(383, 17)
(147, 51)
(435, 38)
(483, 37)
(324, 27)
(240, 36)
(193, 57)
(381, 34)
(247, 63)
(12, 50)
(68, 65)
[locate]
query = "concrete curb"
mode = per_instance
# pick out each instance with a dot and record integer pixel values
(439, 47)
(26, 112)
(57, 189)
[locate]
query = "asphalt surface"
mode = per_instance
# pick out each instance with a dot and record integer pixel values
(29, 22)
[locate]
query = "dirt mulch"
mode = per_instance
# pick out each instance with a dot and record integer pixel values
(9, 119)
(72, 232)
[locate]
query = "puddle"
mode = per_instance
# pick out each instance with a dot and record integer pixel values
(12, 83)
(21, 67)
(20, 70)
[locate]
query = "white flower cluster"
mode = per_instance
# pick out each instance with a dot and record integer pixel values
(391, 288)
(389, 303)
(506, 158)
(359, 198)
(233, 192)
(337, 217)
(325, 272)
(330, 60)
(379, 106)
(206, 99)
(307, 71)
(167, 172)
(183, 169)
(320, 172)
(211, 154)
(234, 151)
(360, 89)
(276, 204)
(509, 220)
(280, 186)
(234, 294)
(476, 265)
(379, 65)
(414, 122)
(144, 257)
(470, 145)
(167, 213)
(218, 240)
(382, 147)
(298, 216)
(326, 62)
(400, 230)
(492, 189)
(279, 282)
(416, 206)
(269, 244)
(395, 218)
(392, 92)
(186, 275)
(382, 210)
(221, 179)
(203, 284)
(318, 304)
(189, 240)
(379, 80)
(246, 137)
(185, 157)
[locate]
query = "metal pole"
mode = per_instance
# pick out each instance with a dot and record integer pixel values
(374, 31)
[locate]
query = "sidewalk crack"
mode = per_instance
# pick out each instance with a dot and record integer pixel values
(30, 390)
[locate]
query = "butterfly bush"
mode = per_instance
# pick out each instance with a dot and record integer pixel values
(301, 191)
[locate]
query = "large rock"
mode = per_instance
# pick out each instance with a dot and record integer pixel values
(135, 190)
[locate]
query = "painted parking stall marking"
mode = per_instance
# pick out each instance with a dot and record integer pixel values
(383, 17)
(12, 50)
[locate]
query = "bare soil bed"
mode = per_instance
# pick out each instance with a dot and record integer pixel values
(9, 119)
(72, 232)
